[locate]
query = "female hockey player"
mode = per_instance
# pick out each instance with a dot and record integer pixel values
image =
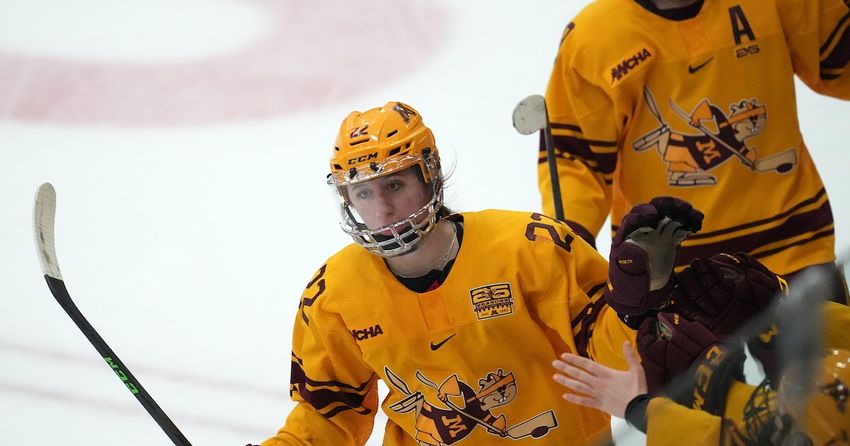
(457, 313)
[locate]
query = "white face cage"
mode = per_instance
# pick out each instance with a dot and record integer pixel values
(404, 235)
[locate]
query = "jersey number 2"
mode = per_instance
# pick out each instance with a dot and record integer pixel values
(553, 233)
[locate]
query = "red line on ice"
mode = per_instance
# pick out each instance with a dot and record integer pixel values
(317, 53)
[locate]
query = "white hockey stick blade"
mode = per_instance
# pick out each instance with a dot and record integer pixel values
(44, 216)
(780, 162)
(530, 115)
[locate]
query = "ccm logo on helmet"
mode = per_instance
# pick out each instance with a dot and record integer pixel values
(362, 158)
(367, 333)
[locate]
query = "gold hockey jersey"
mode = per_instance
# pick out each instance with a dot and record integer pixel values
(703, 109)
(467, 363)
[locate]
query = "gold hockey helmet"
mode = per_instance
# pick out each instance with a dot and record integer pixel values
(380, 141)
(375, 143)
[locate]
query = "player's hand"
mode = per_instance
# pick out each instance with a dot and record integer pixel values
(724, 291)
(668, 346)
(600, 387)
(643, 253)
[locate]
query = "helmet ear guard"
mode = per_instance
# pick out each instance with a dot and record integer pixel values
(376, 143)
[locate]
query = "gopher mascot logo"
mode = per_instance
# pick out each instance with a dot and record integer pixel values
(690, 157)
(463, 408)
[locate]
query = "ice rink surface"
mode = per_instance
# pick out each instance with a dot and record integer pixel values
(188, 143)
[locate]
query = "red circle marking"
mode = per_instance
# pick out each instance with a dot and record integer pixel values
(315, 54)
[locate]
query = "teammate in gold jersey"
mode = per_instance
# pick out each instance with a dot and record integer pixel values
(695, 99)
(457, 313)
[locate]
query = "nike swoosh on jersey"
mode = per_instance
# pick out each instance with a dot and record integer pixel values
(693, 70)
(440, 344)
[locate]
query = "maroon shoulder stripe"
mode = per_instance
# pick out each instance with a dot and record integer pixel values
(838, 58)
(581, 148)
(584, 311)
(321, 398)
(582, 337)
(298, 375)
(828, 42)
(572, 127)
(577, 129)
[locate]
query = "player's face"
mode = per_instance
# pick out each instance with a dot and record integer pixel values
(389, 199)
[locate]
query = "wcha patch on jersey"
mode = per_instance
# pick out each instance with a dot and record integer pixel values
(629, 64)
(366, 333)
(492, 300)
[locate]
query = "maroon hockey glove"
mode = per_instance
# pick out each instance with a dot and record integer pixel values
(643, 253)
(686, 360)
(669, 346)
(724, 292)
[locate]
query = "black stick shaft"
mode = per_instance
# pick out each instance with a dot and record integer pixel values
(549, 143)
(57, 287)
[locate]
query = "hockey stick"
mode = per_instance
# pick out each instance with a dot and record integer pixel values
(44, 216)
(780, 162)
(530, 116)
